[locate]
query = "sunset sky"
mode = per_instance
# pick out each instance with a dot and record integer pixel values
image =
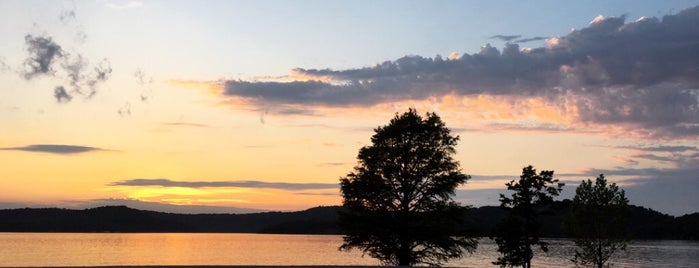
(233, 105)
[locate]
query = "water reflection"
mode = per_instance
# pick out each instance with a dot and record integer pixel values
(42, 249)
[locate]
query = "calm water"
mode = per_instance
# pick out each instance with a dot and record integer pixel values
(42, 249)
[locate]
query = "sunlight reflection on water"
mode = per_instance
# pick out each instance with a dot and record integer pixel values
(99, 249)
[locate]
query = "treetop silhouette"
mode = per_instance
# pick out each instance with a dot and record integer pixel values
(399, 198)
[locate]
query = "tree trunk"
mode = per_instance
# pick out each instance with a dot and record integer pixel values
(529, 258)
(600, 263)
(404, 258)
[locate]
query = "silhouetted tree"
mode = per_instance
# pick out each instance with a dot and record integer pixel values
(398, 201)
(519, 230)
(597, 221)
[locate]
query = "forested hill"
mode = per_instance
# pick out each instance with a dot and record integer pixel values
(320, 220)
(645, 223)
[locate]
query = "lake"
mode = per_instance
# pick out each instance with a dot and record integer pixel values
(99, 249)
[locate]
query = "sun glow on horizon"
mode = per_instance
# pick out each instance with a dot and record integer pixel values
(94, 94)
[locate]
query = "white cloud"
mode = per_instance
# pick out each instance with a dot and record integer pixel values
(641, 75)
(123, 5)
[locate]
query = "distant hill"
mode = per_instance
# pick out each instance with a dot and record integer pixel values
(319, 220)
(645, 223)
(142, 205)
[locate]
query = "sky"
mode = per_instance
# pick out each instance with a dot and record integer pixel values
(240, 106)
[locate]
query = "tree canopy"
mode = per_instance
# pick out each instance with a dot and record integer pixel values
(519, 230)
(597, 221)
(398, 201)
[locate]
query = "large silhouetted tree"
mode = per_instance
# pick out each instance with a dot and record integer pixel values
(596, 221)
(519, 230)
(398, 201)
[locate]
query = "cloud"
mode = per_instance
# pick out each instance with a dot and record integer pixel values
(185, 124)
(297, 92)
(293, 111)
(61, 94)
(145, 83)
(662, 148)
(3, 65)
(241, 184)
(642, 75)
(517, 39)
(331, 164)
(54, 149)
(125, 110)
(45, 54)
(283, 110)
(75, 68)
(655, 157)
(506, 38)
(317, 194)
(123, 5)
(530, 39)
(679, 156)
(641, 175)
(67, 16)
(529, 126)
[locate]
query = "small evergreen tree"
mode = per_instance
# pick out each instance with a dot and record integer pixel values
(398, 202)
(519, 230)
(597, 220)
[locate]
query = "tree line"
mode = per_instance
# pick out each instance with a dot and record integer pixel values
(643, 224)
